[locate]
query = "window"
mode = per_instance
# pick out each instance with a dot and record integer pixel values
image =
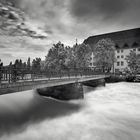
(122, 56)
(139, 49)
(116, 70)
(118, 56)
(126, 45)
(118, 63)
(134, 49)
(122, 63)
(122, 51)
(116, 46)
(135, 44)
(118, 51)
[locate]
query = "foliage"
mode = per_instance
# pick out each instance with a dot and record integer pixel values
(62, 58)
(19, 64)
(104, 54)
(133, 61)
(56, 57)
(82, 55)
(36, 64)
(1, 65)
(29, 63)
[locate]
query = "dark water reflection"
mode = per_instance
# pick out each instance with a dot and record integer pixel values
(111, 112)
(19, 110)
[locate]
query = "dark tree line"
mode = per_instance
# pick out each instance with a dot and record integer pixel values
(20, 68)
(19, 64)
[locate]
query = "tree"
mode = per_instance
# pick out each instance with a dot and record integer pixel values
(24, 65)
(56, 57)
(63, 58)
(10, 65)
(36, 64)
(82, 54)
(104, 53)
(29, 63)
(70, 60)
(1, 65)
(133, 61)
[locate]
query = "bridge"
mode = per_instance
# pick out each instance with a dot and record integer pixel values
(62, 85)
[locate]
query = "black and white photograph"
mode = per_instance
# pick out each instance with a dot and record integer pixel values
(69, 70)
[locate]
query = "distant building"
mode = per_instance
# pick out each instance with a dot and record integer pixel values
(124, 42)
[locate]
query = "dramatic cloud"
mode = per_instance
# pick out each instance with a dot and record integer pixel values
(103, 13)
(66, 20)
(90, 8)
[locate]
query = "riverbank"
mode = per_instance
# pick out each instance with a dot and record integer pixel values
(115, 78)
(122, 78)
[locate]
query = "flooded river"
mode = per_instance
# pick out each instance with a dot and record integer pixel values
(111, 112)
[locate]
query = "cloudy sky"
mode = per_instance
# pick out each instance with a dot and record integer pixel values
(66, 20)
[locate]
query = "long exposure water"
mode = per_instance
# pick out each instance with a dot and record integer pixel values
(111, 112)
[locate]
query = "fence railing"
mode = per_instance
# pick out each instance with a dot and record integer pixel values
(11, 75)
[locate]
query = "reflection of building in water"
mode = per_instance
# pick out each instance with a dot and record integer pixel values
(125, 41)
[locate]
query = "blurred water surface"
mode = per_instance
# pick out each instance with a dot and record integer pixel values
(111, 112)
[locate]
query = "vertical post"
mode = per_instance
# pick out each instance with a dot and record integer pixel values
(60, 74)
(6, 75)
(32, 75)
(0, 74)
(9, 73)
(1, 66)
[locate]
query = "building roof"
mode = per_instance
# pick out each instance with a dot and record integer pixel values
(123, 39)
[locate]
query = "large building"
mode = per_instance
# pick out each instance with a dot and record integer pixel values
(125, 41)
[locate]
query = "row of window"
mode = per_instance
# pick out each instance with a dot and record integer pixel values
(118, 51)
(91, 64)
(135, 49)
(120, 63)
(120, 56)
(135, 44)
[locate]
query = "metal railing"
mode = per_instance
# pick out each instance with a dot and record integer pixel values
(13, 75)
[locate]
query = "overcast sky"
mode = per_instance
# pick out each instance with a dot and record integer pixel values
(66, 20)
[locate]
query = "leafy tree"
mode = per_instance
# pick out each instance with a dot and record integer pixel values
(20, 64)
(10, 65)
(62, 58)
(82, 55)
(1, 65)
(29, 63)
(56, 57)
(104, 53)
(36, 64)
(24, 65)
(133, 61)
(70, 61)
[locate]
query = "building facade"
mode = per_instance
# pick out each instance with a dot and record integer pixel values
(125, 41)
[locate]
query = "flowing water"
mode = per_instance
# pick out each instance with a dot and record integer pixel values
(111, 112)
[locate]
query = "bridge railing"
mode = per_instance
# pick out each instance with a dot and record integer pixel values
(12, 75)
